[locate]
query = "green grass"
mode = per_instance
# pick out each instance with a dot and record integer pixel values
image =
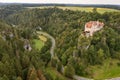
(54, 75)
(38, 44)
(109, 69)
(86, 9)
(89, 9)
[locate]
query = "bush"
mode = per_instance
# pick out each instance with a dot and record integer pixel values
(69, 71)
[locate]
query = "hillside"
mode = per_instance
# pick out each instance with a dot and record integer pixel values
(65, 49)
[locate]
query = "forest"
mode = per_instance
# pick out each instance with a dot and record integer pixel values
(74, 54)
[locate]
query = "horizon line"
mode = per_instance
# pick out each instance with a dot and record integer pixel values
(54, 3)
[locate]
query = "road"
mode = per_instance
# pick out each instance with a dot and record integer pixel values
(76, 77)
(52, 40)
(118, 78)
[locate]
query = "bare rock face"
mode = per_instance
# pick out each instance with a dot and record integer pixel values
(27, 45)
(91, 27)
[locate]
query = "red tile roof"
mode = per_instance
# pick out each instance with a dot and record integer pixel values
(91, 23)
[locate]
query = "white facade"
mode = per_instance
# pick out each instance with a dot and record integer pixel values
(92, 27)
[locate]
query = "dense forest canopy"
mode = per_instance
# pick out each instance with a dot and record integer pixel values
(76, 53)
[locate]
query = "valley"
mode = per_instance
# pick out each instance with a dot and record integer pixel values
(59, 43)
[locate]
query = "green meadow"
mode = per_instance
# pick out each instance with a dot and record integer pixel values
(38, 43)
(86, 9)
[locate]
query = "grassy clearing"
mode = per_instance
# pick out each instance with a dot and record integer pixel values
(38, 44)
(43, 38)
(109, 69)
(86, 9)
(89, 9)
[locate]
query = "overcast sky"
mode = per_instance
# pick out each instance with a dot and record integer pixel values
(65, 1)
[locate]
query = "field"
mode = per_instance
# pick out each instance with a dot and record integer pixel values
(38, 43)
(89, 9)
(110, 69)
(86, 9)
(43, 38)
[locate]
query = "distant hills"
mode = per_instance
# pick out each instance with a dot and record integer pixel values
(56, 4)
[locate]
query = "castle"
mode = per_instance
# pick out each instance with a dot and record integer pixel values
(91, 27)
